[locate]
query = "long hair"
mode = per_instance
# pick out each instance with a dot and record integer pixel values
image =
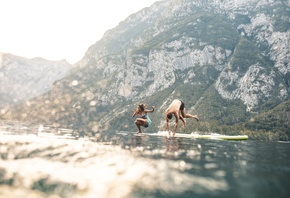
(142, 106)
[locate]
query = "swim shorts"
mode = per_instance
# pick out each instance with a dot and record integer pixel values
(181, 106)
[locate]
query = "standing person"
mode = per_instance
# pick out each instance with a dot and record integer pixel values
(177, 109)
(143, 119)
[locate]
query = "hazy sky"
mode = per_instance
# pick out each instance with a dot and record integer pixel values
(59, 29)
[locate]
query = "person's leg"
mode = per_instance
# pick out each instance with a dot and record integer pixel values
(141, 122)
(183, 120)
(138, 126)
(187, 115)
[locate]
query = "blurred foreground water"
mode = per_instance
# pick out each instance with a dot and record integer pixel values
(42, 165)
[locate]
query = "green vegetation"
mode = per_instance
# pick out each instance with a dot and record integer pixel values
(67, 105)
(216, 109)
(245, 55)
(276, 120)
(209, 28)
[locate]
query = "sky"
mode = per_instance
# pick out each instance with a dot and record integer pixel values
(59, 29)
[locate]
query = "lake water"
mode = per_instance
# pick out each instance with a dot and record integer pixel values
(148, 166)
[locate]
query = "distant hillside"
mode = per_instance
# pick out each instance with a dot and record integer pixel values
(276, 120)
(22, 79)
(228, 60)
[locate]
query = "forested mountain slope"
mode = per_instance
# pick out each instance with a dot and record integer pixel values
(228, 60)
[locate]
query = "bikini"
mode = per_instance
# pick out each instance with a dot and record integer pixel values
(148, 119)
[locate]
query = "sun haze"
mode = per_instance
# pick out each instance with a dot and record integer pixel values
(60, 29)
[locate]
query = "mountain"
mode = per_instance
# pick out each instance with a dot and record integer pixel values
(228, 60)
(23, 79)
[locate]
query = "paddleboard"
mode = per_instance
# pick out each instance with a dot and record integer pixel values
(125, 133)
(140, 134)
(209, 136)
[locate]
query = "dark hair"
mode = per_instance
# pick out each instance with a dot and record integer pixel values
(169, 116)
(141, 106)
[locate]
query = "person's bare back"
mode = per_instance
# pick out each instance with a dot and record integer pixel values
(177, 108)
(174, 107)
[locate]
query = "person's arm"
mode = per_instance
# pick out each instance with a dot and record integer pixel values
(167, 123)
(150, 111)
(181, 118)
(176, 122)
(135, 113)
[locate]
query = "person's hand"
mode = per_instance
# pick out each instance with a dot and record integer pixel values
(153, 107)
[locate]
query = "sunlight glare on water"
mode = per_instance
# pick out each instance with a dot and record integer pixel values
(130, 166)
(88, 168)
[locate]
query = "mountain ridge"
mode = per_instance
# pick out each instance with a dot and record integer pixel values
(22, 79)
(227, 60)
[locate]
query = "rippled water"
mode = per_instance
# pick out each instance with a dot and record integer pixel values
(147, 166)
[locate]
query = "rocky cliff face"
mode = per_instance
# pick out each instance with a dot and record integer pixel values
(224, 58)
(180, 35)
(22, 79)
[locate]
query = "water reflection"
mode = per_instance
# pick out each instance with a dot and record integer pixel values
(140, 166)
(173, 144)
(139, 141)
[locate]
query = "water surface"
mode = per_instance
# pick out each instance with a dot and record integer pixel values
(147, 166)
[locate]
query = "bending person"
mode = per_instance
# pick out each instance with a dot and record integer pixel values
(143, 119)
(177, 109)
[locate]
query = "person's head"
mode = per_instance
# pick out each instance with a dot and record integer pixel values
(142, 106)
(169, 116)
